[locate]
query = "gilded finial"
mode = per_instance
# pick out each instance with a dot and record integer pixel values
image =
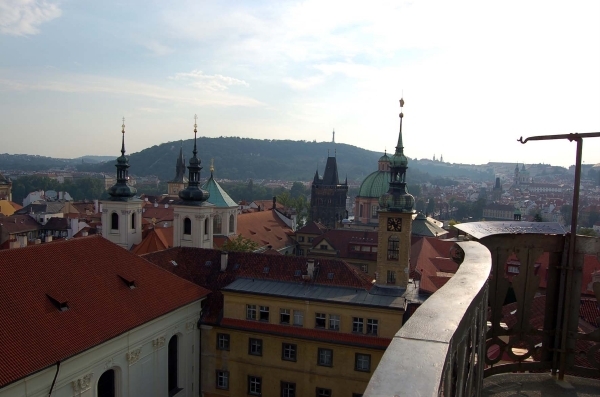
(401, 106)
(123, 126)
(195, 123)
(212, 165)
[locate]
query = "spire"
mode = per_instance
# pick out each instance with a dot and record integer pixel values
(121, 191)
(192, 193)
(333, 138)
(123, 141)
(400, 145)
(397, 197)
(316, 178)
(212, 166)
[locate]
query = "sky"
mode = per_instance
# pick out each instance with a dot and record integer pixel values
(475, 75)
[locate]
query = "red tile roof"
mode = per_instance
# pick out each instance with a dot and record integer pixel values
(313, 228)
(84, 272)
(428, 257)
(342, 239)
(265, 228)
(193, 265)
(308, 333)
(156, 239)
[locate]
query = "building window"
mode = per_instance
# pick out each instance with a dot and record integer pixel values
(323, 246)
(372, 326)
(284, 316)
(288, 389)
(288, 352)
(264, 313)
(364, 268)
(231, 224)
(250, 312)
(321, 392)
(334, 322)
(360, 210)
(357, 324)
(298, 318)
(310, 239)
(254, 385)
(300, 239)
(173, 369)
(325, 357)
(114, 221)
(217, 224)
(300, 252)
(393, 248)
(255, 347)
(362, 362)
(320, 319)
(206, 228)
(187, 226)
(374, 209)
(223, 380)
(222, 341)
(133, 220)
(391, 277)
(106, 384)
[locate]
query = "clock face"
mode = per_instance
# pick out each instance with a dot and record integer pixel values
(394, 224)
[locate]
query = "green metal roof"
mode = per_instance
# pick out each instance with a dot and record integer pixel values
(218, 196)
(375, 184)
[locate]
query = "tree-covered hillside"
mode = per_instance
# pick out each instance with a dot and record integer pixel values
(243, 158)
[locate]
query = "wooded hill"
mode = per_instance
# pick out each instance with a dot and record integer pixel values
(244, 158)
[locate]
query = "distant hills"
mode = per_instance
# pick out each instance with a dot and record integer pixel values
(244, 158)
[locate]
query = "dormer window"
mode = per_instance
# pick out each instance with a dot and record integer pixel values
(60, 303)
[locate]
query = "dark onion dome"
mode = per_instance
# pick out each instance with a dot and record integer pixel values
(121, 191)
(193, 194)
(397, 200)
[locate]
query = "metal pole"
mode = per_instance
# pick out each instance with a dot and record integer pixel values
(567, 286)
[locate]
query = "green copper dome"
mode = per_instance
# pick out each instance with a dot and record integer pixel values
(375, 184)
(385, 157)
(398, 160)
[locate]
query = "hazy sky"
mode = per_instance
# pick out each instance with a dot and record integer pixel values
(476, 75)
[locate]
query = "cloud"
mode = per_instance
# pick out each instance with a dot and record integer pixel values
(157, 48)
(206, 82)
(73, 83)
(304, 84)
(23, 17)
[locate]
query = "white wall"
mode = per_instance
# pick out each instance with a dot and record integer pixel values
(138, 356)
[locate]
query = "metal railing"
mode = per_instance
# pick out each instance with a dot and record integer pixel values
(531, 322)
(439, 349)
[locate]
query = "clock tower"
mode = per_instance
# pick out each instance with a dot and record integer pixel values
(396, 209)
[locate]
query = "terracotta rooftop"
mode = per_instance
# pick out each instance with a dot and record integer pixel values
(85, 277)
(313, 228)
(155, 239)
(265, 228)
(203, 267)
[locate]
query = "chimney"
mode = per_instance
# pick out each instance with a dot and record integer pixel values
(224, 258)
(155, 204)
(310, 267)
(274, 202)
(48, 239)
(100, 207)
(96, 209)
(166, 205)
(84, 234)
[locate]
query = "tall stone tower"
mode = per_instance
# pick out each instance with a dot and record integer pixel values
(122, 212)
(192, 214)
(396, 209)
(328, 196)
(177, 184)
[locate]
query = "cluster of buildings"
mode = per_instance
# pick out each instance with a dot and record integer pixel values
(185, 317)
(135, 296)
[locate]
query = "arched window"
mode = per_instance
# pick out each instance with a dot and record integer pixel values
(187, 226)
(217, 224)
(173, 358)
(231, 224)
(393, 251)
(133, 220)
(106, 384)
(206, 227)
(114, 221)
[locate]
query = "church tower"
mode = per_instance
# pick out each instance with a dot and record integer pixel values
(396, 209)
(177, 184)
(122, 212)
(328, 196)
(192, 214)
